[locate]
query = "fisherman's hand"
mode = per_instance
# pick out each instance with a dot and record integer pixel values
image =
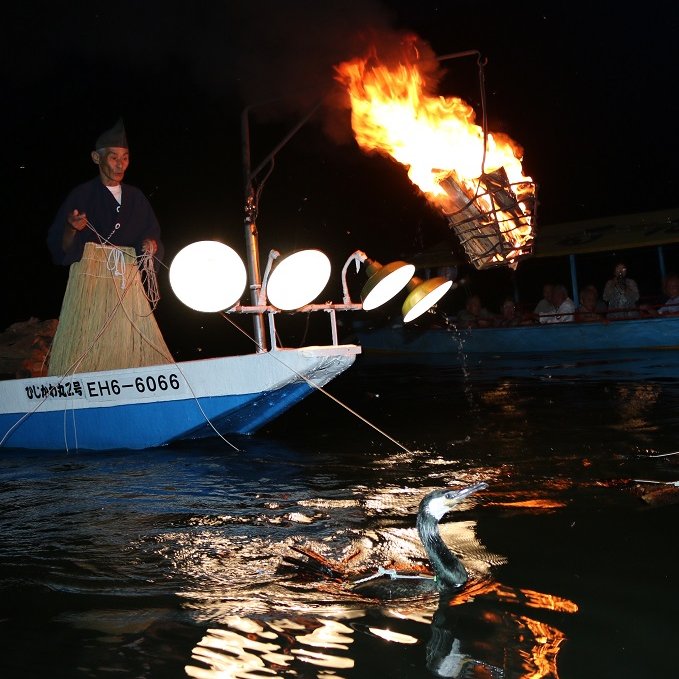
(77, 220)
(149, 246)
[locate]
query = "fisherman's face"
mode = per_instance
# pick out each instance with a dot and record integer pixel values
(112, 164)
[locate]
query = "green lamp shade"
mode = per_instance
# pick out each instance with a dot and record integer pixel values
(387, 281)
(424, 296)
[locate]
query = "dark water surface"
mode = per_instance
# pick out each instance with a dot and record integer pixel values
(169, 563)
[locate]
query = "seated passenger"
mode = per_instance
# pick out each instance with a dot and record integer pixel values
(546, 304)
(621, 293)
(508, 315)
(671, 289)
(474, 315)
(591, 307)
(511, 316)
(564, 305)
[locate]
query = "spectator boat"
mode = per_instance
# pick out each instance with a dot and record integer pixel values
(577, 250)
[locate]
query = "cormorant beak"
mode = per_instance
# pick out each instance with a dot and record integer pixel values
(454, 496)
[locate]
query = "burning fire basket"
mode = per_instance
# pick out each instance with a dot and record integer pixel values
(493, 218)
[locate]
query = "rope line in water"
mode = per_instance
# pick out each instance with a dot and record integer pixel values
(662, 483)
(319, 388)
(393, 574)
(271, 353)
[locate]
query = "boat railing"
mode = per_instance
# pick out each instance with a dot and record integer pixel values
(271, 312)
(608, 315)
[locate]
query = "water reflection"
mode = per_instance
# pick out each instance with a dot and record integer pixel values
(124, 562)
(493, 639)
(635, 406)
(247, 648)
(485, 630)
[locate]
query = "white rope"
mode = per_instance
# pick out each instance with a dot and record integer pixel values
(115, 263)
(144, 264)
(393, 575)
(149, 279)
(321, 389)
(663, 483)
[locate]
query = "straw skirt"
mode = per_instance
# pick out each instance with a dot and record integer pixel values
(106, 321)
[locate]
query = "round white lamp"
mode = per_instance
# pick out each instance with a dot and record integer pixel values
(208, 276)
(297, 279)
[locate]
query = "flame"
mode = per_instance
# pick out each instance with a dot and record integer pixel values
(431, 135)
(436, 138)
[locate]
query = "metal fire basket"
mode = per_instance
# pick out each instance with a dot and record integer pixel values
(493, 218)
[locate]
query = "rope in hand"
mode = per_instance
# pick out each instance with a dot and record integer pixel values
(145, 264)
(115, 263)
(149, 279)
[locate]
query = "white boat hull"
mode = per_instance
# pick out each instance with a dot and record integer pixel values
(148, 407)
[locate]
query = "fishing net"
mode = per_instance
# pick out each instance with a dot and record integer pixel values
(106, 321)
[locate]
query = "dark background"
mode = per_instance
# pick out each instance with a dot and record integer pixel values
(588, 89)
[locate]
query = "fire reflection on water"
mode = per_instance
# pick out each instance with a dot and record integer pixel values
(265, 621)
(515, 645)
(126, 562)
(246, 648)
(635, 406)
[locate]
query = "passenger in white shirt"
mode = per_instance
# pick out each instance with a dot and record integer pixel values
(564, 305)
(545, 305)
(671, 288)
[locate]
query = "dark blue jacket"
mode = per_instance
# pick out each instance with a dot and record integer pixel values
(134, 218)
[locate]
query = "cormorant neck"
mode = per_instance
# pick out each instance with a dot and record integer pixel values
(450, 573)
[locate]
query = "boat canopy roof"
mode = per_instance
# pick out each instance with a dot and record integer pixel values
(608, 234)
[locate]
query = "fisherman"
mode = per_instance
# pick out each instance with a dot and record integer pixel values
(104, 210)
(108, 234)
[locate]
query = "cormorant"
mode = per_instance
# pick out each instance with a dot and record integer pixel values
(448, 571)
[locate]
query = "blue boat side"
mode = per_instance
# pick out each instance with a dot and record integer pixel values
(148, 424)
(647, 333)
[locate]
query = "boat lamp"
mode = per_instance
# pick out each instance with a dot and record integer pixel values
(384, 282)
(208, 276)
(296, 279)
(423, 295)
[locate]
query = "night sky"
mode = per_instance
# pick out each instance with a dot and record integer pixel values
(588, 90)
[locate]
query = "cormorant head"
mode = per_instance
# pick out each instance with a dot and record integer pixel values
(439, 502)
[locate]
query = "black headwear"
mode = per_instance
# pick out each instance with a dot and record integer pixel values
(114, 137)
